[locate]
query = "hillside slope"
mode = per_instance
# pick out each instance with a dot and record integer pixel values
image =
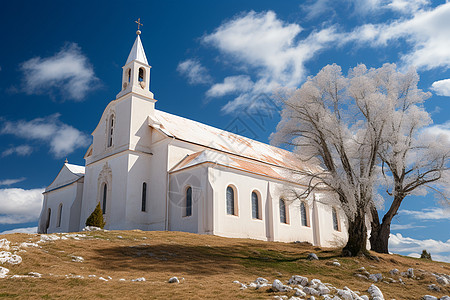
(71, 265)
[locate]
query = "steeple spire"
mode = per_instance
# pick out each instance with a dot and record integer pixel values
(137, 52)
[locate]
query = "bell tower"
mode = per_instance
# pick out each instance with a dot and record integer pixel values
(136, 72)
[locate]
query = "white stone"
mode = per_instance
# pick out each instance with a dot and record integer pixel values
(175, 280)
(122, 279)
(311, 291)
(445, 298)
(8, 257)
(314, 283)
(35, 274)
(27, 245)
(261, 280)
(364, 297)
(428, 297)
(103, 279)
(336, 264)
(442, 280)
(297, 279)
(374, 291)
(410, 273)
(299, 292)
(3, 272)
(92, 228)
(312, 256)
(4, 244)
(140, 279)
(323, 289)
(77, 259)
(376, 277)
(394, 271)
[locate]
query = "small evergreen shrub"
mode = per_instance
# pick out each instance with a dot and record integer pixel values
(425, 255)
(96, 218)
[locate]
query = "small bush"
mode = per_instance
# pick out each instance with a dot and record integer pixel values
(425, 255)
(96, 218)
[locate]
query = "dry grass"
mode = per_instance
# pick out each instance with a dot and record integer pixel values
(209, 265)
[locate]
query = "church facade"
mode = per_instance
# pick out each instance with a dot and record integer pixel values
(152, 170)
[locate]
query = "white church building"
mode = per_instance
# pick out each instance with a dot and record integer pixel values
(152, 170)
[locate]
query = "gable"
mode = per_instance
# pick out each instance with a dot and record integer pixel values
(68, 174)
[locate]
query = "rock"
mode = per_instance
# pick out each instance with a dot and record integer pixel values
(8, 257)
(442, 280)
(336, 264)
(296, 279)
(375, 292)
(27, 245)
(91, 228)
(175, 280)
(312, 298)
(394, 272)
(299, 292)
(261, 280)
(445, 298)
(295, 298)
(35, 274)
(433, 287)
(323, 289)
(354, 295)
(103, 279)
(140, 279)
(4, 244)
(376, 277)
(312, 256)
(3, 272)
(346, 295)
(410, 273)
(280, 287)
(92, 276)
(77, 259)
(122, 279)
(280, 297)
(428, 297)
(364, 297)
(362, 276)
(311, 291)
(314, 283)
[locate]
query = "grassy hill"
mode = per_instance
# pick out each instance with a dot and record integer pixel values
(208, 264)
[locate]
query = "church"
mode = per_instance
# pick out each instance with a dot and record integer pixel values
(152, 170)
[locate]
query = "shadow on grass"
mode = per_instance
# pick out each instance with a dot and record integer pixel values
(191, 259)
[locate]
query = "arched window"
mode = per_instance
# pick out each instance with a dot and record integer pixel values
(129, 75)
(303, 214)
(335, 219)
(283, 217)
(104, 198)
(230, 201)
(188, 211)
(144, 196)
(110, 130)
(141, 74)
(58, 220)
(255, 206)
(49, 214)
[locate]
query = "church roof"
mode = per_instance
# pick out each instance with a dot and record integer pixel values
(75, 169)
(137, 52)
(218, 139)
(67, 175)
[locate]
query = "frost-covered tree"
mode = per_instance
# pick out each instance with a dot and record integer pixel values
(413, 160)
(345, 124)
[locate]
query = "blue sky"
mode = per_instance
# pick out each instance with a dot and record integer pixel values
(60, 65)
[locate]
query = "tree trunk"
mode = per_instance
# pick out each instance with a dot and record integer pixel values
(379, 236)
(357, 236)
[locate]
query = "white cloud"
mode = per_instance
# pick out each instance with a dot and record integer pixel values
(441, 87)
(11, 181)
(434, 213)
(21, 230)
(194, 71)
(22, 150)
(19, 205)
(426, 32)
(262, 43)
(407, 6)
(63, 139)
(231, 84)
(405, 226)
(438, 131)
(67, 74)
(408, 246)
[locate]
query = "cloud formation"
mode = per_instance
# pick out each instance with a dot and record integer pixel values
(21, 230)
(441, 87)
(268, 48)
(19, 205)
(11, 181)
(194, 71)
(408, 246)
(63, 139)
(67, 74)
(22, 150)
(435, 213)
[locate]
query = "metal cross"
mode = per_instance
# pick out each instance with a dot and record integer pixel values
(139, 22)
